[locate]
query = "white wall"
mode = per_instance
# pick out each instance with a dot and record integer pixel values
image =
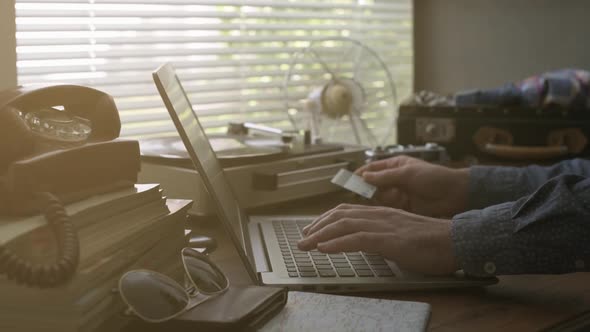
(484, 43)
(7, 45)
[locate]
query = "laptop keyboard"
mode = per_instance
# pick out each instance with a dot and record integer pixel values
(316, 264)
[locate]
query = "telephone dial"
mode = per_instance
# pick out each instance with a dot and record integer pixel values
(56, 143)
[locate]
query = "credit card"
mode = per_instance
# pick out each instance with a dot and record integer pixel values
(350, 181)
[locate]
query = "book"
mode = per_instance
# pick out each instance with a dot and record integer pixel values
(59, 309)
(83, 212)
(96, 241)
(327, 313)
(118, 248)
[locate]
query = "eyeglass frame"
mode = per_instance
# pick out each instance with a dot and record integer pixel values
(192, 292)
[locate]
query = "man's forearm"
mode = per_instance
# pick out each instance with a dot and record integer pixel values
(491, 185)
(547, 231)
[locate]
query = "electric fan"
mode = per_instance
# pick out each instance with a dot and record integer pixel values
(342, 91)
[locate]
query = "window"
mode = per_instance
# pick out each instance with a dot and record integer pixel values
(232, 55)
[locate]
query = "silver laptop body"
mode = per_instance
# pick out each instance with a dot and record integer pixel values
(267, 244)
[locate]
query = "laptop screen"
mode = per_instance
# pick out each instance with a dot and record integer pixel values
(203, 157)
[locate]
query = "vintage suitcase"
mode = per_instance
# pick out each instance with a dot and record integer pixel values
(491, 133)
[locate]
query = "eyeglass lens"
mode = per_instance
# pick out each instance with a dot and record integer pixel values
(203, 273)
(152, 295)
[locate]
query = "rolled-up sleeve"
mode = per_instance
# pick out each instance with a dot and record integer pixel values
(545, 231)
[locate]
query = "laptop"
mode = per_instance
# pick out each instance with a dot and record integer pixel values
(267, 245)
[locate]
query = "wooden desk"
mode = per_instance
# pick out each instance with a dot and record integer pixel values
(516, 303)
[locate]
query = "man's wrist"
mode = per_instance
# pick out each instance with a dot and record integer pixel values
(446, 263)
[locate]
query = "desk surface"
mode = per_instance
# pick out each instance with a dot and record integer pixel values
(516, 303)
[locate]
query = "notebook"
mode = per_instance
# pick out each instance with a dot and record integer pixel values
(268, 244)
(323, 312)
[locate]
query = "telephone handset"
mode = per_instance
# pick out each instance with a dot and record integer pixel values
(56, 141)
(31, 123)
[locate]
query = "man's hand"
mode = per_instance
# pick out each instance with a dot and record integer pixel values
(418, 186)
(416, 243)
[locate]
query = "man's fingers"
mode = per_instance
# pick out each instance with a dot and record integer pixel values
(340, 228)
(379, 165)
(327, 213)
(347, 211)
(373, 166)
(330, 212)
(361, 241)
(390, 177)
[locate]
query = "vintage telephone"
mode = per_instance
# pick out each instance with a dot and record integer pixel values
(56, 143)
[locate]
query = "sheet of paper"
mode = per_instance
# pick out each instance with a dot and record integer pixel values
(354, 183)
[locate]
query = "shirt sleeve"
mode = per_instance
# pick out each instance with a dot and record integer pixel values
(547, 231)
(490, 185)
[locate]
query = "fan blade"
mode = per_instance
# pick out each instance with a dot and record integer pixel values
(355, 130)
(371, 138)
(289, 115)
(357, 64)
(343, 56)
(324, 65)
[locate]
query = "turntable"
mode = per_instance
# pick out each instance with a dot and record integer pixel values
(262, 170)
(233, 150)
(230, 151)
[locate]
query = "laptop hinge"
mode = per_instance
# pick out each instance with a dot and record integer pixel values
(258, 246)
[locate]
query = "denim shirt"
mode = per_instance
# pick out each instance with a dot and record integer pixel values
(525, 220)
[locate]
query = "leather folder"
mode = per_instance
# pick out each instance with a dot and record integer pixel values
(244, 308)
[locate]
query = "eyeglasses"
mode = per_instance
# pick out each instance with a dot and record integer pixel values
(156, 298)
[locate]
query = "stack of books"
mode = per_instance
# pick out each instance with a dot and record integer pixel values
(134, 227)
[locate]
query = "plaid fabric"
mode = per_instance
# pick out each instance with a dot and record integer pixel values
(565, 88)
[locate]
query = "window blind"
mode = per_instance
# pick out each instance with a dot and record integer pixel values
(231, 55)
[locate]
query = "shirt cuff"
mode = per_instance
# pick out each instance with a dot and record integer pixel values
(481, 240)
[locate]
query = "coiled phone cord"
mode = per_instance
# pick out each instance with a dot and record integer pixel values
(46, 275)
